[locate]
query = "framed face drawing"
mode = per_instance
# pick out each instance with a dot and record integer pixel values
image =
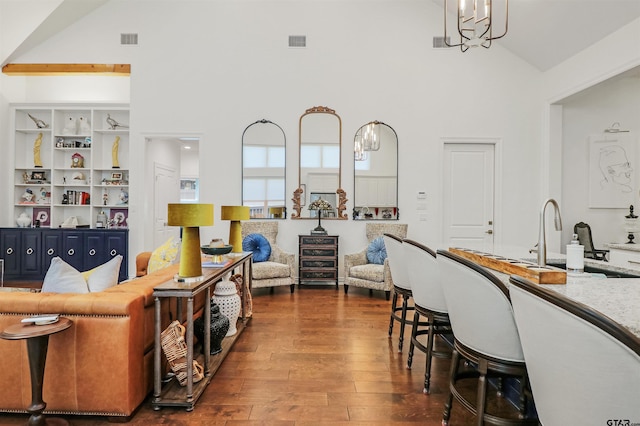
(612, 175)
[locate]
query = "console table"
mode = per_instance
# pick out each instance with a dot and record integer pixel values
(172, 394)
(318, 258)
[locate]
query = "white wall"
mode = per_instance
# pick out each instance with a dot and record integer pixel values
(212, 68)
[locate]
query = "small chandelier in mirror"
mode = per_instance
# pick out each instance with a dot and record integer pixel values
(476, 22)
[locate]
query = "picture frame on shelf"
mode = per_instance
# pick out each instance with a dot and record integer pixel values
(38, 176)
(116, 176)
(118, 218)
(41, 217)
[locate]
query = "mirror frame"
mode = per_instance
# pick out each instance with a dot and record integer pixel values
(342, 195)
(355, 136)
(284, 137)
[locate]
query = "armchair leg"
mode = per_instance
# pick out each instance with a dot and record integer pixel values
(293, 287)
(346, 289)
(387, 295)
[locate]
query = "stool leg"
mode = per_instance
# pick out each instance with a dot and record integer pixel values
(427, 368)
(482, 391)
(394, 304)
(403, 322)
(455, 360)
(414, 334)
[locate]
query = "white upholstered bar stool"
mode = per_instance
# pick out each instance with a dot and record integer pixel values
(429, 303)
(401, 285)
(584, 368)
(485, 334)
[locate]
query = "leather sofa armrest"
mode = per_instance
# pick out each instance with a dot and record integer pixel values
(142, 263)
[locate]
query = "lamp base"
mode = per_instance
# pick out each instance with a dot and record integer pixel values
(187, 280)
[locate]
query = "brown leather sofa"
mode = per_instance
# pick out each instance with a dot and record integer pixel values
(103, 364)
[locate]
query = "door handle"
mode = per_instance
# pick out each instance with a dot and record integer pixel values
(490, 231)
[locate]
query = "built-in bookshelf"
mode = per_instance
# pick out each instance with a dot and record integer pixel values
(71, 161)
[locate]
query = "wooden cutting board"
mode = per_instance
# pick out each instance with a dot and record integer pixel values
(529, 270)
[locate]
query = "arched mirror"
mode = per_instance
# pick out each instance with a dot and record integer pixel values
(263, 170)
(320, 135)
(375, 195)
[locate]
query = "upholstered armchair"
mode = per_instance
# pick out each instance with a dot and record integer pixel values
(279, 268)
(358, 272)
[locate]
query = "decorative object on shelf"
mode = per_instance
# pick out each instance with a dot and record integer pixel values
(113, 124)
(226, 296)
(77, 161)
(248, 301)
(70, 126)
(190, 217)
(41, 216)
(37, 162)
(101, 219)
(216, 249)
(115, 164)
(119, 218)
(39, 123)
(476, 23)
(65, 199)
(105, 198)
(83, 125)
(615, 128)
(38, 177)
(235, 214)
(70, 222)
(25, 177)
(320, 205)
(23, 221)
(27, 197)
(124, 197)
(218, 328)
(77, 178)
(631, 225)
(175, 350)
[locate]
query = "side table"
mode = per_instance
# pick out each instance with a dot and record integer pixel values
(37, 337)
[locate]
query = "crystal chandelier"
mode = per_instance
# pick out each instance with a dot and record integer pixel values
(475, 23)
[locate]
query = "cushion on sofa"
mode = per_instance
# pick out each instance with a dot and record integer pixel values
(376, 251)
(165, 255)
(63, 278)
(258, 245)
(269, 270)
(104, 276)
(370, 272)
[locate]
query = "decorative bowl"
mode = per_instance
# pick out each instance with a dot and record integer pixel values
(217, 251)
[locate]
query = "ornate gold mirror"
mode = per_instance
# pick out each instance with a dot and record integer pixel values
(375, 195)
(319, 177)
(263, 170)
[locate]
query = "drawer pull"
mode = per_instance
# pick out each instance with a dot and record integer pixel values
(10, 250)
(29, 250)
(92, 252)
(71, 252)
(113, 252)
(50, 252)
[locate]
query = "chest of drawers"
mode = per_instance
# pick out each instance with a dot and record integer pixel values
(318, 259)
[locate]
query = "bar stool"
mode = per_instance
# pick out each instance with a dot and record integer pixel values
(485, 335)
(429, 302)
(401, 285)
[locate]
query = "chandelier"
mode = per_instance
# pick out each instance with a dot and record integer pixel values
(367, 139)
(475, 23)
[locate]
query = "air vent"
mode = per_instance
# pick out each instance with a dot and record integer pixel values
(297, 41)
(129, 38)
(438, 42)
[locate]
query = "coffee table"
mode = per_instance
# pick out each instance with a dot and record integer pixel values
(37, 337)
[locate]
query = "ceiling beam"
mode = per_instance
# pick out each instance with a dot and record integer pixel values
(67, 69)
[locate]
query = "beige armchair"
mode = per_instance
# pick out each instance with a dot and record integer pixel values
(279, 269)
(359, 273)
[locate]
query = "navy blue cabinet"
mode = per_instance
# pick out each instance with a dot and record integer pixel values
(27, 252)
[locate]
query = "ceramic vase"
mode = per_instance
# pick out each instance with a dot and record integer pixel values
(217, 328)
(23, 220)
(226, 296)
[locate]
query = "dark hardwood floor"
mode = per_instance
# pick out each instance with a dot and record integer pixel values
(314, 357)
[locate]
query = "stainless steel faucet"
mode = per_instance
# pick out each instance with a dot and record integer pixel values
(542, 240)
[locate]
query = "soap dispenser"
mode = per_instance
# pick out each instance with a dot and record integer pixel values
(575, 256)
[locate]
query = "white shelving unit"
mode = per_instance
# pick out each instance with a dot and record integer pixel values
(75, 171)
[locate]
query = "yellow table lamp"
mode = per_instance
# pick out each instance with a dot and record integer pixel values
(190, 217)
(235, 214)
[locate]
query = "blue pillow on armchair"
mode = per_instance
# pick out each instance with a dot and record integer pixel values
(376, 251)
(258, 245)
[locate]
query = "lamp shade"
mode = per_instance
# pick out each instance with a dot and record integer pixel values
(234, 213)
(190, 217)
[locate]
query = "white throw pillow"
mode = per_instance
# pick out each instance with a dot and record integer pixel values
(104, 276)
(63, 278)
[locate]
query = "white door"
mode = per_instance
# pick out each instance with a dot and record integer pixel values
(166, 190)
(468, 195)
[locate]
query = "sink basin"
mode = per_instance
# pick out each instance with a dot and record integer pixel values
(594, 270)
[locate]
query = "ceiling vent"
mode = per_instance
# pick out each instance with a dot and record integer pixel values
(129, 38)
(438, 42)
(297, 41)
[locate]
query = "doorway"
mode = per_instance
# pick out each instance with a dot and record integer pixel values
(469, 182)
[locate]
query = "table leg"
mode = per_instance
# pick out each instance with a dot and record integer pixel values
(37, 350)
(190, 351)
(157, 368)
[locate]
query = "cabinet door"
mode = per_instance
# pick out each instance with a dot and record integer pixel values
(10, 243)
(31, 253)
(73, 249)
(95, 253)
(51, 247)
(116, 243)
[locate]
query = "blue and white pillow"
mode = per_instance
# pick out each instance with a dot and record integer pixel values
(258, 245)
(376, 251)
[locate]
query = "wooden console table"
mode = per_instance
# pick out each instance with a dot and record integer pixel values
(172, 394)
